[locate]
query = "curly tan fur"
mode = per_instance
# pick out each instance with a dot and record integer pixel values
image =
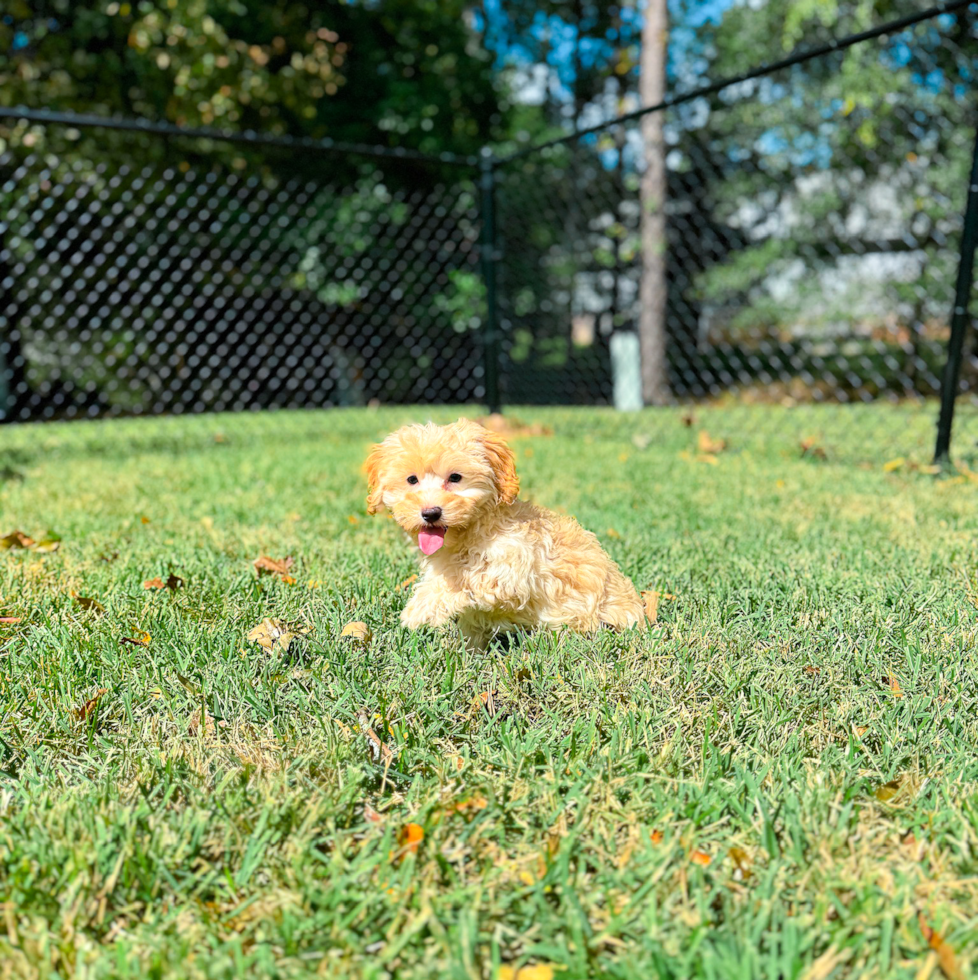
(504, 563)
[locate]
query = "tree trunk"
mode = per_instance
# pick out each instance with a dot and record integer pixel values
(652, 191)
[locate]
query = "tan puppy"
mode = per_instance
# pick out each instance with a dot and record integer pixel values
(490, 561)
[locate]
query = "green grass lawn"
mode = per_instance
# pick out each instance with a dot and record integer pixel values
(778, 778)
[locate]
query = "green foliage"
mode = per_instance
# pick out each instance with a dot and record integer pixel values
(397, 72)
(854, 154)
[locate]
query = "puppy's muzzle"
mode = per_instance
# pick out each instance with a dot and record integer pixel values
(431, 515)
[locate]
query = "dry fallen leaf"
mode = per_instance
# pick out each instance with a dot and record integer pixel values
(487, 701)
(894, 686)
(708, 445)
(275, 566)
(656, 836)
(887, 791)
(651, 600)
(87, 602)
(700, 858)
(946, 958)
(379, 750)
(809, 669)
(410, 580)
(172, 582)
(742, 863)
(894, 464)
(810, 449)
(89, 706)
(16, 539)
(409, 839)
(274, 634)
(468, 807)
(538, 971)
(209, 726)
(357, 631)
(9, 619)
(140, 640)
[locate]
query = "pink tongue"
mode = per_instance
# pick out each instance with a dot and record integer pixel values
(430, 539)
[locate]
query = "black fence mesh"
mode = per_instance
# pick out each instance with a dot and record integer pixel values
(812, 239)
(186, 284)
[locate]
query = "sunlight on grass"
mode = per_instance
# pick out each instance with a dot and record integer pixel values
(777, 776)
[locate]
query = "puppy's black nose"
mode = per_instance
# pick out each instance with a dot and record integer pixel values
(431, 514)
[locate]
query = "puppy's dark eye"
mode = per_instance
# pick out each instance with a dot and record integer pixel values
(412, 479)
(455, 478)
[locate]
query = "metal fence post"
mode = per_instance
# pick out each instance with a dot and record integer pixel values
(489, 259)
(959, 317)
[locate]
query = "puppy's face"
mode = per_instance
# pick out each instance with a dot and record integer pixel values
(436, 480)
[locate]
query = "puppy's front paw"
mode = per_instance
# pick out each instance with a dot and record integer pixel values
(414, 618)
(416, 614)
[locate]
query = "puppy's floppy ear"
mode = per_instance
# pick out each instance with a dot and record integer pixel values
(503, 464)
(375, 461)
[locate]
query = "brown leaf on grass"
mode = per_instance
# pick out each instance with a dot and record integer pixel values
(172, 582)
(887, 791)
(914, 847)
(810, 449)
(275, 566)
(742, 863)
(357, 631)
(487, 702)
(16, 539)
(371, 815)
(379, 750)
(210, 723)
(87, 602)
(468, 808)
(275, 634)
(141, 640)
(809, 669)
(409, 839)
(9, 619)
(894, 686)
(656, 836)
(410, 580)
(701, 858)
(946, 958)
(894, 464)
(651, 599)
(708, 445)
(89, 706)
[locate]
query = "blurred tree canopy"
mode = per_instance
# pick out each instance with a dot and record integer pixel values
(409, 73)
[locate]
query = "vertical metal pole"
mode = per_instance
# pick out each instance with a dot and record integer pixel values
(960, 317)
(9, 348)
(489, 257)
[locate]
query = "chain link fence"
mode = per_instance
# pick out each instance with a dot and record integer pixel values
(812, 239)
